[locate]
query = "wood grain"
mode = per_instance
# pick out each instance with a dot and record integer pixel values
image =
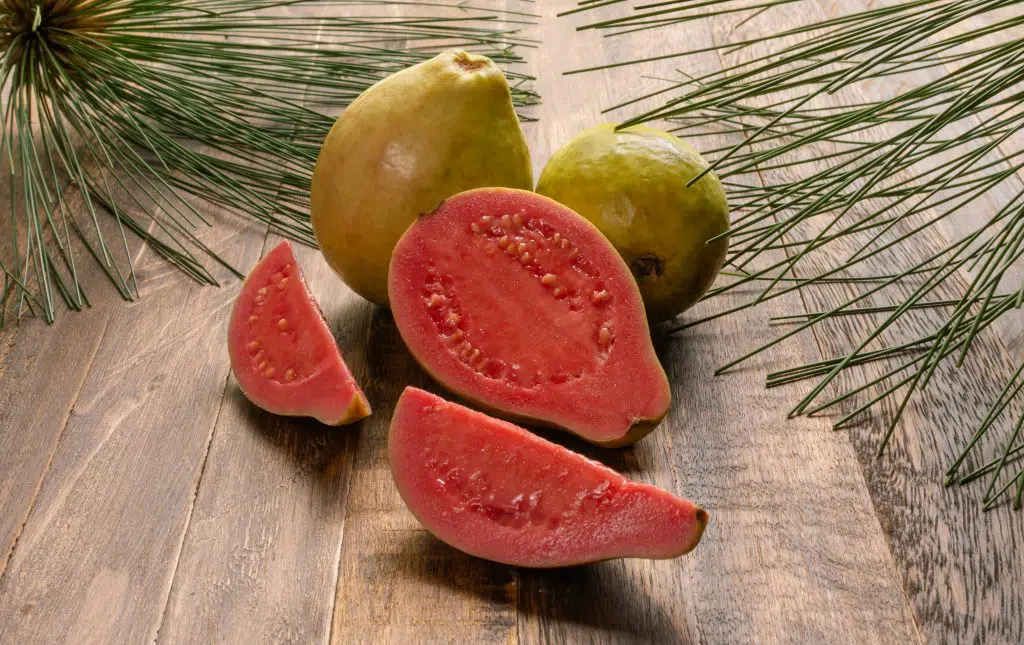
(36, 398)
(34, 405)
(95, 559)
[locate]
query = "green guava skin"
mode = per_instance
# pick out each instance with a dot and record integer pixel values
(631, 184)
(403, 146)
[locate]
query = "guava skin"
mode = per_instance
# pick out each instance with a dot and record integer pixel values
(407, 143)
(631, 184)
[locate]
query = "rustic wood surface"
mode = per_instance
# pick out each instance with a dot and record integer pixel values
(143, 499)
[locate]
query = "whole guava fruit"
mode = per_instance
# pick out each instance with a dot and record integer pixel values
(631, 183)
(403, 146)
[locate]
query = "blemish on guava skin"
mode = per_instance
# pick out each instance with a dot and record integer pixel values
(467, 64)
(647, 266)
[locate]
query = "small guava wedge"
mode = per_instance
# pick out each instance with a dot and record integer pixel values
(496, 491)
(282, 352)
(520, 305)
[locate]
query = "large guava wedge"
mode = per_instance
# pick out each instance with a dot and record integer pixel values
(282, 352)
(519, 304)
(496, 491)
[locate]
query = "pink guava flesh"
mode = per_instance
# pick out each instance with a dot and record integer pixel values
(519, 304)
(496, 491)
(282, 352)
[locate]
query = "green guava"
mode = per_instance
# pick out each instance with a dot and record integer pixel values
(407, 143)
(631, 184)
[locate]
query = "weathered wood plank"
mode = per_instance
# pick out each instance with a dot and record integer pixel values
(959, 567)
(787, 499)
(94, 562)
(42, 370)
(35, 402)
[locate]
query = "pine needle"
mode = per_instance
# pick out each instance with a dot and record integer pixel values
(136, 105)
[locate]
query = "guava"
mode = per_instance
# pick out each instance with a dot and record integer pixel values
(631, 184)
(496, 491)
(406, 143)
(520, 305)
(282, 351)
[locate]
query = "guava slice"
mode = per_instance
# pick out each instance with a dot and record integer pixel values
(496, 491)
(282, 352)
(520, 305)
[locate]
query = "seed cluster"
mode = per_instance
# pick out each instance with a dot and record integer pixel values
(264, 364)
(445, 309)
(526, 238)
(528, 241)
(475, 493)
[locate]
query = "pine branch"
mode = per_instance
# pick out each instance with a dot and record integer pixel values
(137, 105)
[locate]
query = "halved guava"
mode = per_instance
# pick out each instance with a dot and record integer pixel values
(520, 305)
(496, 491)
(282, 352)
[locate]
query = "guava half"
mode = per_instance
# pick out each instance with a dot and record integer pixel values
(282, 351)
(496, 491)
(519, 304)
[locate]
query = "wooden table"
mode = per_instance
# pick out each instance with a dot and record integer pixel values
(143, 499)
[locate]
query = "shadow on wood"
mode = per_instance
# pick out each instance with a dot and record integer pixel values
(602, 596)
(318, 451)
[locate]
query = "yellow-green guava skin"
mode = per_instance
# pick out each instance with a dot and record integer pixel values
(403, 146)
(631, 184)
